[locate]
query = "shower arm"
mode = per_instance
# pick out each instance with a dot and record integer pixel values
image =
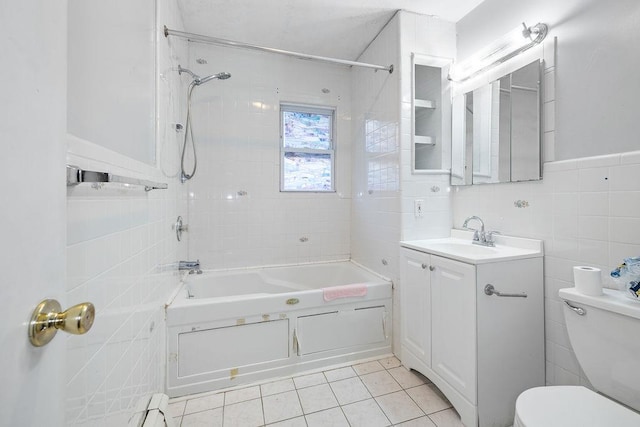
(191, 73)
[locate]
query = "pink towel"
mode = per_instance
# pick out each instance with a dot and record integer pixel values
(345, 291)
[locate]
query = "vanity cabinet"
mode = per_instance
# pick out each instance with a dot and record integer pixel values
(480, 350)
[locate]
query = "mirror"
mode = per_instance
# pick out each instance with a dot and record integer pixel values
(496, 130)
(111, 75)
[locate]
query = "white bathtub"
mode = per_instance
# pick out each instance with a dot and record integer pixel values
(237, 327)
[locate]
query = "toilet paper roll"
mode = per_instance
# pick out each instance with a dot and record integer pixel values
(587, 280)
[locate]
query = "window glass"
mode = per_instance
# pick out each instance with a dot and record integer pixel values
(306, 130)
(307, 148)
(307, 172)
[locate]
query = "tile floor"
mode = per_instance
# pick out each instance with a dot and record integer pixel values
(369, 394)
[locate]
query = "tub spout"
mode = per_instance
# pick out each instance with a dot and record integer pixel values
(190, 266)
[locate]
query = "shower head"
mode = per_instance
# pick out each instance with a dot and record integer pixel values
(197, 80)
(219, 76)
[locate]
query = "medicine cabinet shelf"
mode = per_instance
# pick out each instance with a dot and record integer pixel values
(431, 113)
(424, 140)
(424, 103)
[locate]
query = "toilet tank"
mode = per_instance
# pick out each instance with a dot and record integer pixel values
(606, 341)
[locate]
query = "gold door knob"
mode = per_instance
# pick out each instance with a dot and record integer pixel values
(47, 318)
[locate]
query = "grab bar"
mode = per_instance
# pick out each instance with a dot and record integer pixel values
(76, 176)
(490, 290)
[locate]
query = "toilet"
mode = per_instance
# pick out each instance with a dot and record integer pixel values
(604, 332)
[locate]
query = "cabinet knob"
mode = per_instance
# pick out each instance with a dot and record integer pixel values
(431, 267)
(424, 266)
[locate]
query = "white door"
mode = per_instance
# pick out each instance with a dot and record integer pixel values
(32, 191)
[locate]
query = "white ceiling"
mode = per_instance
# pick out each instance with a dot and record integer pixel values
(336, 28)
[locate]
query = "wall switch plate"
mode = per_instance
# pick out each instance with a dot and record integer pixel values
(418, 208)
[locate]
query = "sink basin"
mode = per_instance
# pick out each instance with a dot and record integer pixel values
(460, 247)
(465, 248)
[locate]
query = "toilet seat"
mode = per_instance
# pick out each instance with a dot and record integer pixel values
(568, 406)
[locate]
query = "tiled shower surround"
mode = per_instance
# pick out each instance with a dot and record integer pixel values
(237, 215)
(375, 218)
(120, 252)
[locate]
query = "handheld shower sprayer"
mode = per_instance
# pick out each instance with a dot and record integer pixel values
(197, 81)
(219, 76)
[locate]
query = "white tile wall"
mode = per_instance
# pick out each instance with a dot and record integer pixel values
(376, 214)
(586, 211)
(237, 215)
(121, 256)
(383, 186)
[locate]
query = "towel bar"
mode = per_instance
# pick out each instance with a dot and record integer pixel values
(76, 176)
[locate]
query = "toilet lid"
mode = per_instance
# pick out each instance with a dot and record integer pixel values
(566, 406)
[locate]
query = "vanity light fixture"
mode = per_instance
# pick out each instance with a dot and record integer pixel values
(510, 45)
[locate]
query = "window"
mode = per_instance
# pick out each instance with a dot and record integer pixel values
(307, 148)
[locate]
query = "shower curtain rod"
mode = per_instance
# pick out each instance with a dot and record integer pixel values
(223, 42)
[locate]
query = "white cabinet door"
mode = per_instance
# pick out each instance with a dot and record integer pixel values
(235, 347)
(341, 329)
(453, 307)
(416, 304)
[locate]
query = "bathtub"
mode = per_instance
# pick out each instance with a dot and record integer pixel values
(228, 328)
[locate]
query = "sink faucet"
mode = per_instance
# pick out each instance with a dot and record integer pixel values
(191, 266)
(479, 236)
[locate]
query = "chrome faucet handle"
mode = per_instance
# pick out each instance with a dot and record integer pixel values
(476, 233)
(489, 238)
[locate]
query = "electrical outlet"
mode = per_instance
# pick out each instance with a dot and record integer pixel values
(418, 208)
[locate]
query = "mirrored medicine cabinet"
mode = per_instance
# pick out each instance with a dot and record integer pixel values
(496, 132)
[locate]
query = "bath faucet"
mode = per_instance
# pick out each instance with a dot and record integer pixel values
(191, 266)
(480, 236)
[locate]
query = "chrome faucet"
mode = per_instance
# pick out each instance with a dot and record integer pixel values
(191, 266)
(480, 237)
